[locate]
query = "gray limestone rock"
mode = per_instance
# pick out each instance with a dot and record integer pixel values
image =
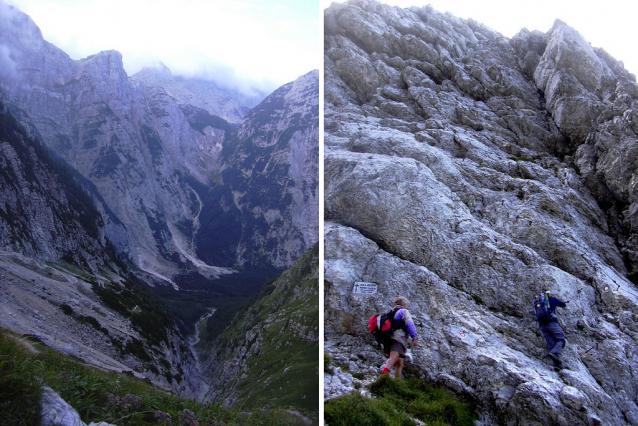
(451, 179)
(56, 411)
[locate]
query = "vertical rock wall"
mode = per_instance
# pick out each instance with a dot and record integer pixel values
(456, 175)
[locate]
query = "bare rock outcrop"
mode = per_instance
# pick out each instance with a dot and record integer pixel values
(56, 411)
(456, 175)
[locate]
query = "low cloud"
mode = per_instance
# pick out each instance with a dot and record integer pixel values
(8, 55)
(246, 45)
(223, 75)
(7, 64)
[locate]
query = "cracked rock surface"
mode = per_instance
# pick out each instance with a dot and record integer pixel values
(469, 172)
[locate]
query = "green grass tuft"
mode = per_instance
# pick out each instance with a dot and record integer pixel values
(478, 299)
(327, 361)
(398, 403)
(19, 392)
(102, 396)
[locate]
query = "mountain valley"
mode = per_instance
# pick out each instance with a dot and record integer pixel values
(133, 205)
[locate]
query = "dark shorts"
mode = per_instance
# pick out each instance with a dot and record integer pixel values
(395, 347)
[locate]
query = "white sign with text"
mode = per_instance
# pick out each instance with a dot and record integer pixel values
(364, 288)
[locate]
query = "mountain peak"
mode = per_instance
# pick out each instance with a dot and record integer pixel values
(157, 70)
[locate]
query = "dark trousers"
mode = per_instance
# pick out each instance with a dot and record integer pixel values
(554, 337)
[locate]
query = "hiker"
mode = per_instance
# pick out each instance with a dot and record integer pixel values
(403, 326)
(544, 308)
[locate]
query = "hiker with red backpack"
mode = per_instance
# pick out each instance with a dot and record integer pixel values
(545, 310)
(392, 330)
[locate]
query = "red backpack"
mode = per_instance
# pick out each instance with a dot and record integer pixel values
(382, 326)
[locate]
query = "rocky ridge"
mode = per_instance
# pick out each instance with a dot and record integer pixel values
(272, 169)
(469, 172)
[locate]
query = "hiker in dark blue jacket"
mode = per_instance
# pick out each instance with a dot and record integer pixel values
(545, 309)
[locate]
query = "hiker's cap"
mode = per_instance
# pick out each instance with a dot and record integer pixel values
(548, 292)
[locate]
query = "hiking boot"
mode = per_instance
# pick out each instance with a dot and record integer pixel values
(385, 370)
(557, 362)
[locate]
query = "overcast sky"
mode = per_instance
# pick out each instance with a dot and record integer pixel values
(610, 24)
(265, 43)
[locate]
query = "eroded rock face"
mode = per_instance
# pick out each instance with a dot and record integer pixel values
(44, 212)
(594, 101)
(449, 180)
(271, 174)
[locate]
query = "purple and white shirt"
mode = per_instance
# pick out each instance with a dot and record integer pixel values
(399, 334)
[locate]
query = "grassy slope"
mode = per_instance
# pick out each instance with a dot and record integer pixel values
(99, 395)
(280, 331)
(398, 403)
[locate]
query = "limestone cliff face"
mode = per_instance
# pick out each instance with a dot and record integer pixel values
(594, 102)
(469, 172)
(44, 212)
(270, 177)
(150, 145)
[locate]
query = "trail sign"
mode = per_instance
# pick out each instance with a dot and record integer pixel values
(364, 288)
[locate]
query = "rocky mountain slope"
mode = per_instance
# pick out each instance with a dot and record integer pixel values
(270, 174)
(113, 132)
(268, 356)
(469, 172)
(106, 320)
(61, 281)
(44, 212)
(150, 146)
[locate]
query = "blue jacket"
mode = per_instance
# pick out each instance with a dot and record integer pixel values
(553, 303)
